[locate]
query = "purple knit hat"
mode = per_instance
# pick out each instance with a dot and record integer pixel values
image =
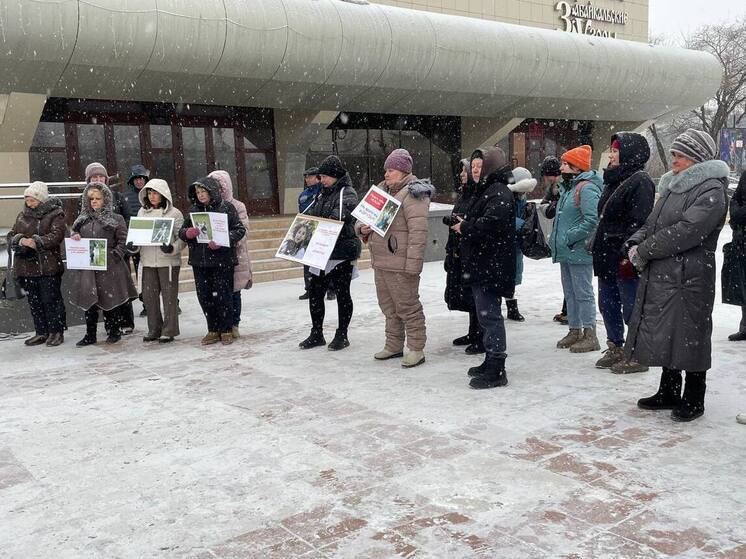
(399, 160)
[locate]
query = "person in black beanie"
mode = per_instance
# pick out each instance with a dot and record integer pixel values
(738, 224)
(551, 177)
(336, 200)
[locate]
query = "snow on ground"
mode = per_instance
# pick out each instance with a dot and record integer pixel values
(262, 450)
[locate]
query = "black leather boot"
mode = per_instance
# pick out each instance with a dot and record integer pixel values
(493, 376)
(315, 339)
(513, 313)
(668, 395)
(340, 341)
(692, 403)
(479, 370)
(463, 340)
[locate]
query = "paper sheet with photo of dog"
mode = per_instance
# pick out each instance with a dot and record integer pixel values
(86, 254)
(213, 226)
(377, 210)
(310, 240)
(150, 231)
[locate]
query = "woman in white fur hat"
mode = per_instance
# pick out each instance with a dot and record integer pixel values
(522, 185)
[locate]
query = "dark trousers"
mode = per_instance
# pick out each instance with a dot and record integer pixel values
(162, 283)
(215, 295)
(488, 307)
(742, 326)
(113, 320)
(236, 308)
(45, 301)
(475, 330)
(128, 313)
(337, 280)
(616, 299)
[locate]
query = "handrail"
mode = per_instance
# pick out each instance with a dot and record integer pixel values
(64, 195)
(65, 184)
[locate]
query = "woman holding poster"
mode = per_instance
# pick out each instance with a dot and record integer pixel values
(397, 260)
(213, 264)
(109, 289)
(160, 265)
(336, 201)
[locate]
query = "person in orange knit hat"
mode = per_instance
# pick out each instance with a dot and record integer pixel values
(576, 218)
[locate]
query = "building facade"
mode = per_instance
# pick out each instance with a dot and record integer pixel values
(265, 88)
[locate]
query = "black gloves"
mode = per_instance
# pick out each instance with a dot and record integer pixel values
(167, 249)
(131, 248)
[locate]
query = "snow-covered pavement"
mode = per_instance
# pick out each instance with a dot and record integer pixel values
(262, 450)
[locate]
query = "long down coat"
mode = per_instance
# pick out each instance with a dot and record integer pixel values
(106, 288)
(671, 324)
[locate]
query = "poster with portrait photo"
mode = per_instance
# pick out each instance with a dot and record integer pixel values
(150, 231)
(86, 254)
(377, 210)
(310, 240)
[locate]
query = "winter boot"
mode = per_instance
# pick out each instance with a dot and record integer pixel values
(625, 367)
(589, 342)
(492, 377)
(476, 348)
(226, 338)
(412, 359)
(304, 297)
(211, 338)
(88, 339)
(39, 339)
(463, 340)
(340, 341)
(612, 356)
(479, 370)
(737, 337)
(668, 395)
(692, 403)
(513, 313)
(315, 339)
(573, 336)
(114, 336)
(560, 317)
(150, 337)
(388, 354)
(91, 325)
(55, 339)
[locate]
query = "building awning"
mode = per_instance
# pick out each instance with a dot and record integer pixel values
(338, 55)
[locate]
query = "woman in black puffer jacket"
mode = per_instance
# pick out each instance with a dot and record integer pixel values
(336, 200)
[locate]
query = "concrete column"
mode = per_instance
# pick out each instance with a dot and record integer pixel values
(295, 132)
(482, 131)
(19, 118)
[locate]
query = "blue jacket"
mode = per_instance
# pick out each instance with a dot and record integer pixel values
(577, 216)
(307, 196)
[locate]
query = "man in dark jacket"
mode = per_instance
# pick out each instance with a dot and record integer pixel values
(625, 204)
(129, 205)
(336, 200)
(488, 247)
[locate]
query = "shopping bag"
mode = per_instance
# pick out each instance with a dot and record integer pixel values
(10, 290)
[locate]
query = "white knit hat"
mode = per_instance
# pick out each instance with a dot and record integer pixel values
(37, 190)
(95, 168)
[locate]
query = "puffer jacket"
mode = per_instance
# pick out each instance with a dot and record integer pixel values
(45, 224)
(577, 216)
(326, 205)
(403, 247)
(199, 253)
(152, 256)
(671, 325)
(242, 277)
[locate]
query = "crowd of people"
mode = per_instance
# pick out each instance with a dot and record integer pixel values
(654, 260)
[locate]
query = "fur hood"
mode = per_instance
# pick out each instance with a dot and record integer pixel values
(523, 186)
(421, 187)
(105, 215)
(212, 186)
(44, 208)
(696, 174)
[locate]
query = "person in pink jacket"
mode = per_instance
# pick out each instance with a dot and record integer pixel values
(242, 278)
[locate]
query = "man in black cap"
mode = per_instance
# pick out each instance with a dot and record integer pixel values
(551, 177)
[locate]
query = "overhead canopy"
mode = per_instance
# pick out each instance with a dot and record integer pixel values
(338, 55)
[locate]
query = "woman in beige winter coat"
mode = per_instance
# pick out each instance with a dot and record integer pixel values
(397, 260)
(159, 265)
(242, 278)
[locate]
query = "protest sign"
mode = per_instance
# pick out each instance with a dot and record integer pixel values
(310, 240)
(150, 231)
(377, 210)
(86, 254)
(213, 226)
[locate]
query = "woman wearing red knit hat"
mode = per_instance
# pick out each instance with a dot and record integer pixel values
(577, 215)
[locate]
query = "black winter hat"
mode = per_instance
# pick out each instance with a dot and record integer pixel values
(332, 166)
(550, 167)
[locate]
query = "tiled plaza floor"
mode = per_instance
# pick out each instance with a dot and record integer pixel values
(261, 450)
